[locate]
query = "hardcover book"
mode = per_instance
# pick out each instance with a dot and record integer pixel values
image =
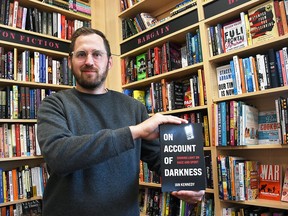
(284, 195)
(234, 35)
(262, 21)
(182, 157)
(270, 181)
(141, 66)
(249, 125)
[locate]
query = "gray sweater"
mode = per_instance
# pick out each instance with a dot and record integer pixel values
(92, 158)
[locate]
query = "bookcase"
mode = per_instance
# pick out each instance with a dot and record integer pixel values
(205, 15)
(33, 65)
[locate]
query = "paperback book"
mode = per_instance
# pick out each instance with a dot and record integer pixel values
(182, 157)
(262, 22)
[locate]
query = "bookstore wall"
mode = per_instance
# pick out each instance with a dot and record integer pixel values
(34, 40)
(223, 64)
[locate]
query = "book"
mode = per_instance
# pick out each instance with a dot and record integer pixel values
(182, 157)
(225, 81)
(139, 95)
(148, 19)
(284, 193)
(262, 22)
(270, 181)
(141, 66)
(249, 125)
(251, 179)
(234, 35)
(268, 128)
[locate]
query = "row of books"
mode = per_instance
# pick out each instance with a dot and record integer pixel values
(252, 210)
(170, 95)
(198, 117)
(237, 123)
(132, 26)
(148, 176)
(253, 73)
(261, 23)
(32, 19)
(161, 59)
(22, 183)
(71, 5)
(282, 118)
(18, 102)
(35, 67)
(18, 140)
(125, 4)
(241, 179)
(29, 208)
(154, 202)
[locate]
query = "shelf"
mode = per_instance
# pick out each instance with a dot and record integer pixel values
(21, 158)
(20, 201)
(7, 82)
(262, 203)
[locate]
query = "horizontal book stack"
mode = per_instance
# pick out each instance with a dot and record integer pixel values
(18, 102)
(50, 23)
(182, 6)
(22, 183)
(253, 73)
(259, 24)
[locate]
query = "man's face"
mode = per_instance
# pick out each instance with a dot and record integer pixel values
(89, 62)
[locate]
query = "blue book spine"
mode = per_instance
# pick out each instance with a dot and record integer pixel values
(223, 124)
(233, 77)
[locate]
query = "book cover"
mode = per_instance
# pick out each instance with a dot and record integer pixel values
(225, 81)
(270, 181)
(182, 157)
(249, 125)
(268, 128)
(251, 179)
(148, 19)
(284, 194)
(262, 21)
(141, 66)
(234, 35)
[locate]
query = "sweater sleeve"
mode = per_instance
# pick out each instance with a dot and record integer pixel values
(66, 152)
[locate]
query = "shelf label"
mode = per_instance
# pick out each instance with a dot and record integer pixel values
(160, 31)
(24, 38)
(217, 6)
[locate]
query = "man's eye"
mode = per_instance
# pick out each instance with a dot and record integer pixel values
(81, 54)
(97, 54)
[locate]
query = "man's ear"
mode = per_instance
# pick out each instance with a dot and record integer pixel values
(69, 62)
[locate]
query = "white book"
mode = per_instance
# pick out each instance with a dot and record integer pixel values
(250, 116)
(237, 74)
(37, 66)
(24, 18)
(262, 79)
(225, 81)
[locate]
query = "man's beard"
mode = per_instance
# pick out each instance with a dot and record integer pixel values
(91, 83)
